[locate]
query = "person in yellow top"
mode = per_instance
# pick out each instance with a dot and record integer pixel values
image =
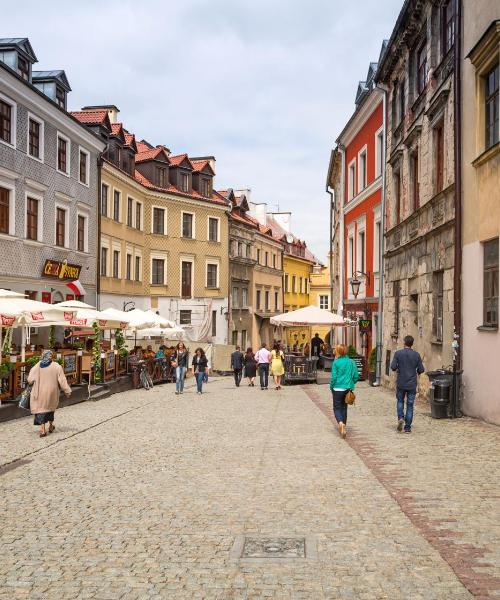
(277, 366)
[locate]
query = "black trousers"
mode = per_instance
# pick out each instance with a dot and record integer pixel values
(237, 376)
(264, 374)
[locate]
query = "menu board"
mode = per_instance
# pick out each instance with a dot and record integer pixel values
(110, 361)
(69, 363)
(360, 364)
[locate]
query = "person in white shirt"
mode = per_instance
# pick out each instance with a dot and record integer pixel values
(263, 358)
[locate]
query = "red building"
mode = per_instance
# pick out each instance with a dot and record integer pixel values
(361, 145)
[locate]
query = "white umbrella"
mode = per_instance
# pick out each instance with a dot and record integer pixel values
(139, 319)
(159, 321)
(308, 316)
(10, 294)
(74, 304)
(173, 333)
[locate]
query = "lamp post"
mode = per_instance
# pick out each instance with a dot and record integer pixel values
(356, 283)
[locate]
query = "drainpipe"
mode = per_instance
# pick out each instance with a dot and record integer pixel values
(98, 240)
(341, 245)
(380, 320)
(457, 270)
(332, 207)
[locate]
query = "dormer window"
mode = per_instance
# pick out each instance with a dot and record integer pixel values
(161, 177)
(60, 97)
(184, 182)
(205, 188)
(23, 68)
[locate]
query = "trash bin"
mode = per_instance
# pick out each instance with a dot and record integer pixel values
(440, 398)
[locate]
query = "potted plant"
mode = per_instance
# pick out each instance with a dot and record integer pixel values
(372, 366)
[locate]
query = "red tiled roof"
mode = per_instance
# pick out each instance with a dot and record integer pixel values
(199, 165)
(142, 146)
(116, 128)
(149, 154)
(175, 161)
(129, 138)
(90, 117)
(281, 233)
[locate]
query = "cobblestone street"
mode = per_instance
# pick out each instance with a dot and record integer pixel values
(147, 494)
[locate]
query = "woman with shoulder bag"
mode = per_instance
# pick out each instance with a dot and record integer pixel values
(344, 378)
(277, 367)
(180, 362)
(200, 366)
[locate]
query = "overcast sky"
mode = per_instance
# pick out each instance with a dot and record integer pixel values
(263, 85)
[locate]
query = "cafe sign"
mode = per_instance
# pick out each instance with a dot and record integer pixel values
(61, 270)
(365, 325)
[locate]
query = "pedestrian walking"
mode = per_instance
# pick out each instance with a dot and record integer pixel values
(47, 377)
(277, 366)
(237, 365)
(250, 365)
(200, 366)
(180, 362)
(263, 357)
(316, 344)
(344, 377)
(408, 364)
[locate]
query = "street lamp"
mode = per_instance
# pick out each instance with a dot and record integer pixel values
(125, 304)
(356, 283)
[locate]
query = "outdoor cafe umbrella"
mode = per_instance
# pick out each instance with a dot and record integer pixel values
(308, 316)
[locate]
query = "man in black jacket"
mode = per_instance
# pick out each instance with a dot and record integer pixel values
(237, 365)
(408, 364)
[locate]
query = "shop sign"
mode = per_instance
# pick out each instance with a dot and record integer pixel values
(7, 321)
(78, 322)
(37, 316)
(365, 325)
(61, 270)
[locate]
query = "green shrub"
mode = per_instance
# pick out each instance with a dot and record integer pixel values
(351, 352)
(372, 360)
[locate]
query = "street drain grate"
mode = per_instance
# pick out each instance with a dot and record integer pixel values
(280, 548)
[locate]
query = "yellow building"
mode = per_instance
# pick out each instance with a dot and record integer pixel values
(320, 295)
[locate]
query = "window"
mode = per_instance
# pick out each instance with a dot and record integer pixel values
(422, 67)
(415, 181)
(184, 182)
(266, 259)
(186, 278)
(138, 213)
(240, 249)
(4, 210)
(323, 302)
(491, 107)
(187, 225)
(137, 268)
(258, 256)
(350, 256)
(104, 200)
(34, 132)
(276, 300)
(249, 252)
(243, 339)
(244, 297)
(32, 219)
(286, 283)
(257, 300)
(62, 155)
(397, 197)
(361, 251)
(294, 284)
(401, 101)
(214, 323)
(396, 292)
(60, 97)
(116, 264)
(376, 246)
(212, 276)
(448, 26)
(159, 221)
(161, 177)
(213, 229)
(104, 261)
(128, 267)
(84, 164)
(30, 294)
(23, 68)
(274, 261)
(266, 300)
(116, 206)
(234, 337)
(234, 297)
(379, 152)
(490, 283)
(352, 181)
(362, 177)
(158, 271)
(80, 234)
(130, 211)
(437, 297)
(5, 122)
(438, 156)
(185, 317)
(205, 188)
(300, 285)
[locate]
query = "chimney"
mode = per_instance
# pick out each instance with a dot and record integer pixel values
(257, 211)
(111, 108)
(284, 220)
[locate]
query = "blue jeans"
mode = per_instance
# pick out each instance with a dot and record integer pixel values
(410, 399)
(340, 406)
(180, 373)
(264, 374)
(199, 381)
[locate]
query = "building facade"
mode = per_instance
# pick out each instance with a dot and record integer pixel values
(417, 69)
(320, 296)
(48, 183)
(256, 276)
(481, 209)
(164, 231)
(362, 144)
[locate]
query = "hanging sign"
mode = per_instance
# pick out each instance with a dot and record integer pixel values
(7, 321)
(365, 325)
(61, 270)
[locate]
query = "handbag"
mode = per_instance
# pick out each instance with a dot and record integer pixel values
(350, 397)
(24, 397)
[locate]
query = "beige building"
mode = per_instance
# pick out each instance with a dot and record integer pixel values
(481, 207)
(256, 276)
(164, 231)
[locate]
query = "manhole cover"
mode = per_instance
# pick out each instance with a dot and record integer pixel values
(274, 548)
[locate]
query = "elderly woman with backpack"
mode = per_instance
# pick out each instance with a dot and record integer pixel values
(343, 380)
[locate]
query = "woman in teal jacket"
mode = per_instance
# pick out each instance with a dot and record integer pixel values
(344, 378)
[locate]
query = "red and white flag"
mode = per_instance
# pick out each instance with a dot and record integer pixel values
(76, 287)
